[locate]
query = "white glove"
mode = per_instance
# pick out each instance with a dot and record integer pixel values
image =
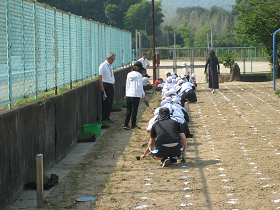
(184, 154)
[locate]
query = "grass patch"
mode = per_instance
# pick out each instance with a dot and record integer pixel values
(108, 186)
(31, 100)
(277, 91)
(123, 156)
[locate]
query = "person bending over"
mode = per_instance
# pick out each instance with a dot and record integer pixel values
(167, 139)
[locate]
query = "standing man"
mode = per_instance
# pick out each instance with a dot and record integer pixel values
(145, 63)
(186, 71)
(107, 81)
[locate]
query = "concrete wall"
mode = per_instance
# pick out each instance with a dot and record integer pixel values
(49, 128)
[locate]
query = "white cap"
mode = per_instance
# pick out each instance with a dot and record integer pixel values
(168, 99)
(182, 75)
(169, 80)
(193, 75)
(178, 88)
(167, 93)
(173, 74)
(164, 102)
(172, 91)
(167, 72)
(184, 64)
(180, 82)
(176, 100)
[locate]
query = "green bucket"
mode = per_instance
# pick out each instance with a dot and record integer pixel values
(93, 128)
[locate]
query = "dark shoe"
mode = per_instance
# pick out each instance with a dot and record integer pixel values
(127, 128)
(111, 121)
(135, 127)
(165, 162)
(173, 160)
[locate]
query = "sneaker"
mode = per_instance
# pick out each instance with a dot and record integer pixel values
(213, 91)
(127, 128)
(135, 127)
(165, 162)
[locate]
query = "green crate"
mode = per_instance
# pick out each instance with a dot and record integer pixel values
(93, 128)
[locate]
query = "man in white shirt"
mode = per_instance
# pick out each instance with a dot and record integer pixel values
(186, 71)
(146, 82)
(145, 63)
(107, 81)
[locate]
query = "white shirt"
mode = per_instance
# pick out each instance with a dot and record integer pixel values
(187, 86)
(107, 73)
(134, 85)
(186, 70)
(145, 81)
(144, 62)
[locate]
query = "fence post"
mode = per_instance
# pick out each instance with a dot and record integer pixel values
(9, 47)
(136, 39)
(251, 55)
(82, 65)
(274, 56)
(36, 51)
(55, 51)
(70, 49)
(90, 49)
(244, 60)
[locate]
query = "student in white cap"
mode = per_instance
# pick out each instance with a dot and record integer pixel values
(186, 70)
(193, 80)
(168, 74)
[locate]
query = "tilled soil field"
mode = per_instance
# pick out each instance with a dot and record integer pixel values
(232, 160)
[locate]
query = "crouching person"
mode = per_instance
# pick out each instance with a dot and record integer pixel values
(167, 139)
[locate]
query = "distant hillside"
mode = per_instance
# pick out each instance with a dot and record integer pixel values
(173, 4)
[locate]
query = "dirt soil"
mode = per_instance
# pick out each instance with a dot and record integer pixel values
(232, 160)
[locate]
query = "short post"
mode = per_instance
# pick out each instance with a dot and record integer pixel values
(40, 182)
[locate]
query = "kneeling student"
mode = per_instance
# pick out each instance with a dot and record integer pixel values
(167, 139)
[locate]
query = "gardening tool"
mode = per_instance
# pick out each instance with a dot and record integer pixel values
(146, 103)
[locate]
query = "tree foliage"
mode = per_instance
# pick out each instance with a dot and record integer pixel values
(139, 16)
(185, 33)
(257, 21)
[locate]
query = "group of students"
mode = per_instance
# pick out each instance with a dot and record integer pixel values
(169, 127)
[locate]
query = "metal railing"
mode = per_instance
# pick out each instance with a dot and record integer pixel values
(44, 49)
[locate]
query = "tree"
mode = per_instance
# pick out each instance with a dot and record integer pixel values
(139, 16)
(201, 37)
(115, 11)
(168, 29)
(257, 21)
(186, 35)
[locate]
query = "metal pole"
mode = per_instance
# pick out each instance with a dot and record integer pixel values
(212, 38)
(136, 48)
(174, 54)
(274, 52)
(70, 50)
(40, 181)
(9, 45)
(55, 51)
(36, 52)
(251, 60)
(208, 40)
(82, 64)
(140, 45)
(154, 51)
(133, 56)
